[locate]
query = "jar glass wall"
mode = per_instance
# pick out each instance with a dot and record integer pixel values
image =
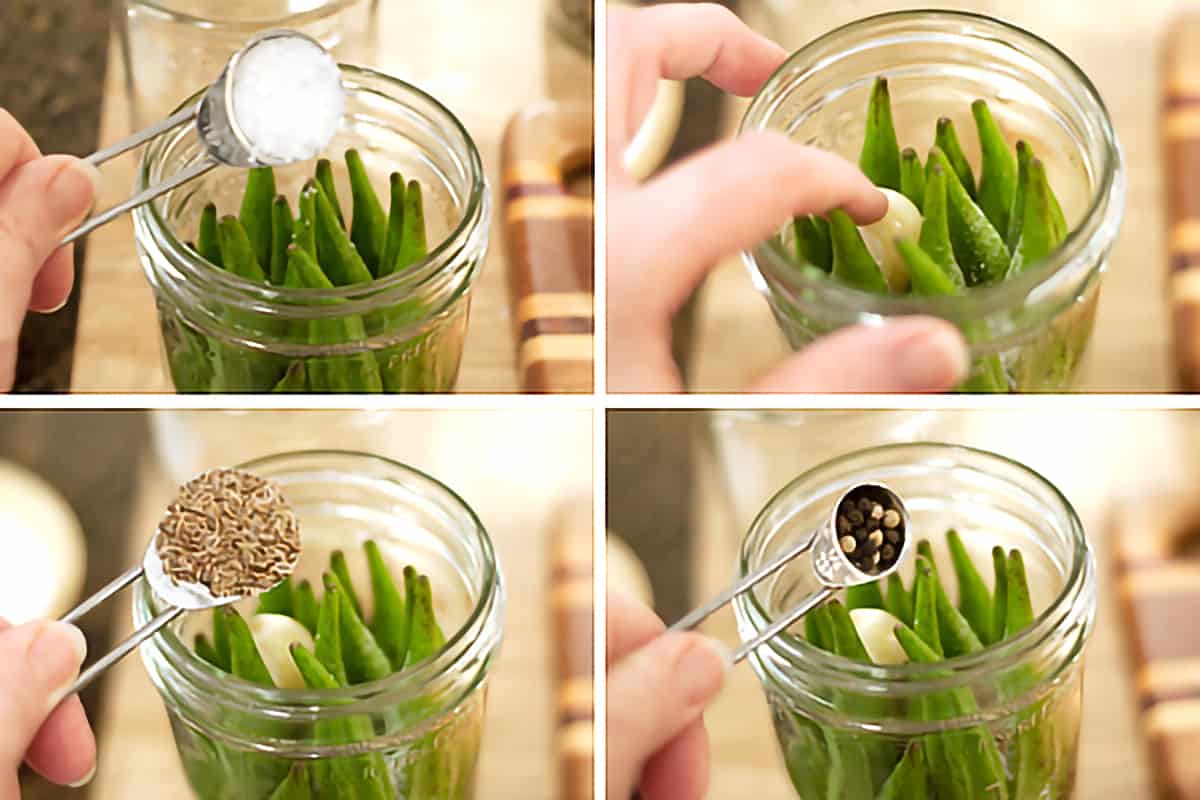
(1018, 699)
(400, 333)
(1036, 324)
(419, 728)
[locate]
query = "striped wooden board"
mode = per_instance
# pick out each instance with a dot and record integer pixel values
(548, 225)
(1181, 140)
(1157, 551)
(571, 610)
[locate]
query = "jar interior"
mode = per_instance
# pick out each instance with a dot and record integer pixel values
(405, 133)
(246, 11)
(979, 501)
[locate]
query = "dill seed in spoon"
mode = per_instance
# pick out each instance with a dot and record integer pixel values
(229, 531)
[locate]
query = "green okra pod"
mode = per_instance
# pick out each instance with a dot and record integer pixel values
(956, 634)
(974, 599)
(364, 659)
(282, 229)
(1016, 214)
(390, 622)
(853, 263)
(926, 277)
(237, 254)
(866, 762)
(244, 659)
(324, 177)
(909, 780)
(368, 225)
(947, 141)
(305, 606)
(294, 380)
(338, 258)
(295, 786)
(208, 243)
(256, 214)
(1041, 231)
(395, 225)
(998, 173)
(912, 178)
(880, 158)
(935, 227)
(865, 595)
(978, 248)
(205, 649)
(925, 616)
(341, 568)
(305, 229)
(813, 245)
(277, 599)
(425, 636)
(1000, 599)
(1018, 605)
(925, 550)
(413, 246)
(818, 628)
(220, 632)
(898, 601)
(328, 641)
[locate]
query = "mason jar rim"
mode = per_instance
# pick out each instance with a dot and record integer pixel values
(1084, 244)
(407, 684)
(163, 9)
(916, 678)
(304, 303)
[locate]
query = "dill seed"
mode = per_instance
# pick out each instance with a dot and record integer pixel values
(229, 531)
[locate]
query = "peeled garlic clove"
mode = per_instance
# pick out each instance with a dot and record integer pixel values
(274, 634)
(902, 221)
(876, 628)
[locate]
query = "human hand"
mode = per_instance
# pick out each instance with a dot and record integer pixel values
(658, 687)
(41, 200)
(667, 234)
(38, 663)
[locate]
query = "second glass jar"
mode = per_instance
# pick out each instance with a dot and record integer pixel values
(400, 333)
(1037, 324)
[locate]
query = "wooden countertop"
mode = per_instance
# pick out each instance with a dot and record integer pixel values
(1137, 453)
(737, 339)
(519, 467)
(451, 50)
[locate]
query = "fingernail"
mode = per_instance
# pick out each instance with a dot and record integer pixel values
(85, 780)
(56, 653)
(72, 192)
(702, 665)
(933, 359)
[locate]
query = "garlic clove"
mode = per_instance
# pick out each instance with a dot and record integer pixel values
(876, 628)
(902, 221)
(274, 634)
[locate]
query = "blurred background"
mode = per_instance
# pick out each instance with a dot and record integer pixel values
(81, 74)
(81, 493)
(1130, 474)
(729, 337)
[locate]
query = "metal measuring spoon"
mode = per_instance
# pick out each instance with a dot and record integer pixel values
(835, 568)
(224, 140)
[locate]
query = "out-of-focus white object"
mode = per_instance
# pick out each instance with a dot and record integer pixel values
(45, 560)
(653, 139)
(626, 573)
(877, 629)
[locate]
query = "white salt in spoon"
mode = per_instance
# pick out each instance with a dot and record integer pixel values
(279, 100)
(176, 596)
(835, 567)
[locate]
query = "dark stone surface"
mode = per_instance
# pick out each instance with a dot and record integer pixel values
(53, 58)
(92, 458)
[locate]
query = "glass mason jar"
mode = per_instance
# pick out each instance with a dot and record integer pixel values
(1036, 324)
(829, 710)
(239, 741)
(224, 334)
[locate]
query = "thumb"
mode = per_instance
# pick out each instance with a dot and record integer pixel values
(654, 694)
(38, 663)
(915, 354)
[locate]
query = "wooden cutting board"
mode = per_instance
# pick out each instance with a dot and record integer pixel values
(1156, 544)
(549, 235)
